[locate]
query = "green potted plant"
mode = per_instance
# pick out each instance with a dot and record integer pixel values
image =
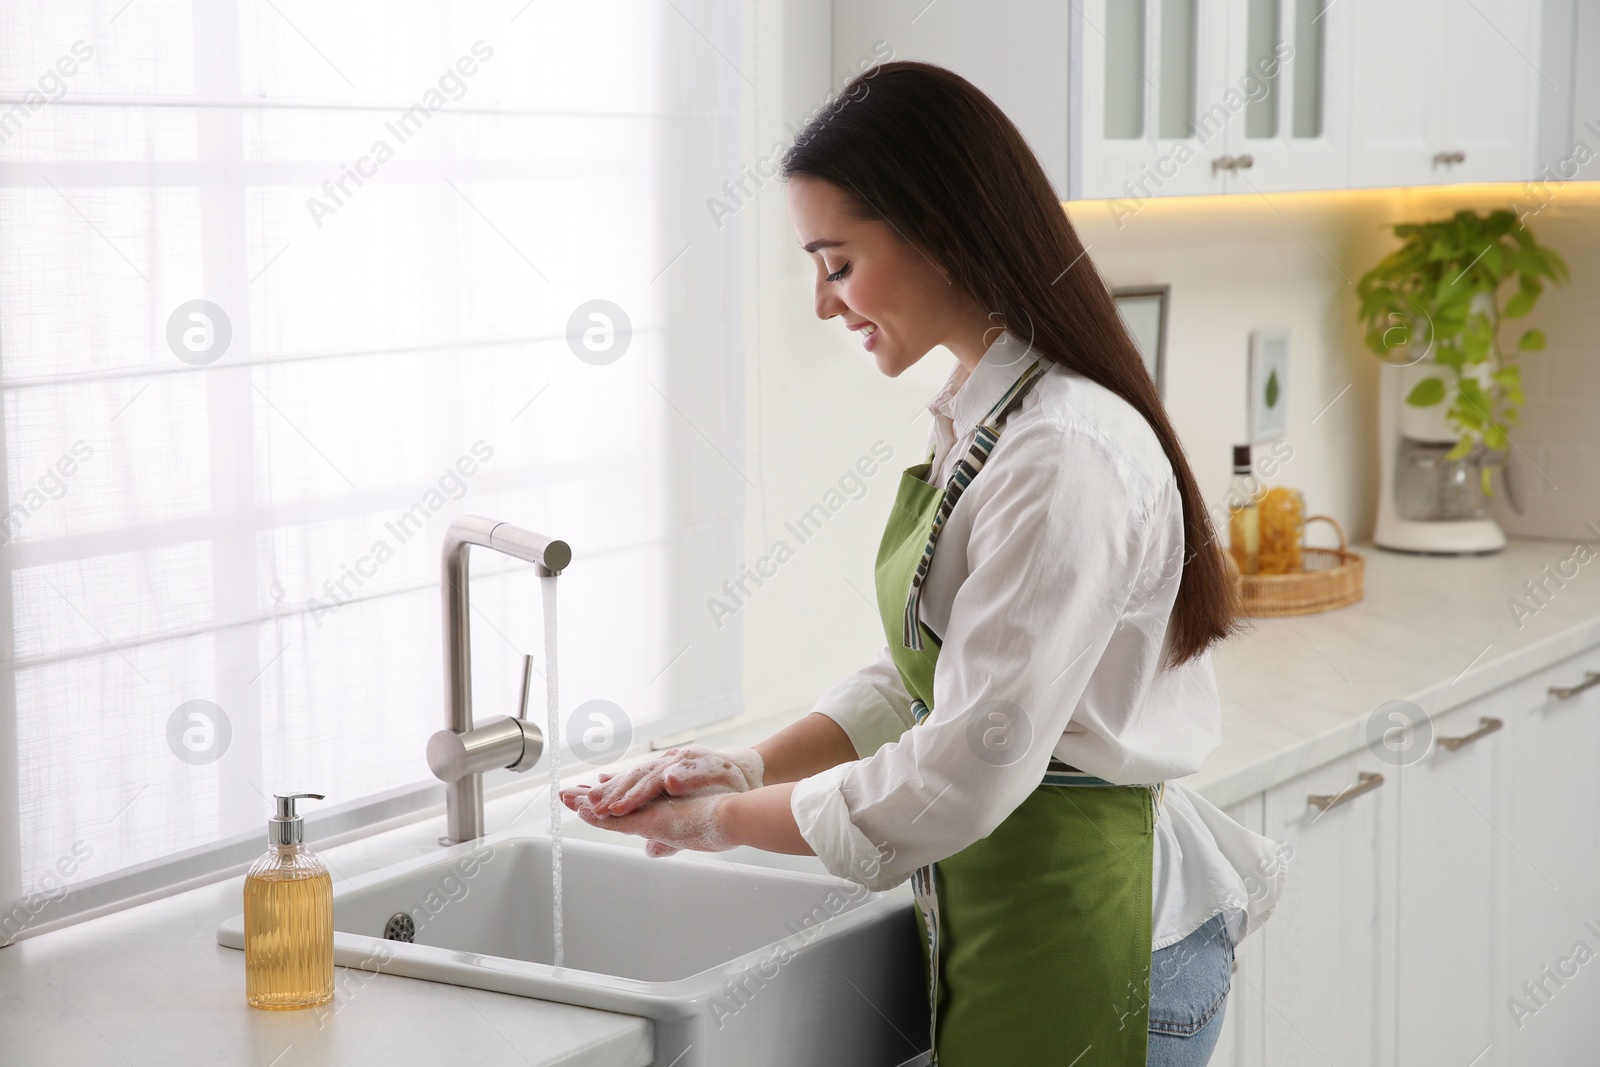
(1435, 304)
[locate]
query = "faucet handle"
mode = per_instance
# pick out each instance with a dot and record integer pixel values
(527, 687)
(515, 744)
(500, 742)
(533, 737)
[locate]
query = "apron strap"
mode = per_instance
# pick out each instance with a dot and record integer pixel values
(966, 470)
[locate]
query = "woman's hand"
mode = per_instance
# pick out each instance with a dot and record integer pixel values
(690, 771)
(677, 772)
(670, 824)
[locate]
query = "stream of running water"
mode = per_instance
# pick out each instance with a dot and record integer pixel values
(552, 742)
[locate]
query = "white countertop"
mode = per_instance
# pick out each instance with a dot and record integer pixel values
(151, 985)
(1437, 631)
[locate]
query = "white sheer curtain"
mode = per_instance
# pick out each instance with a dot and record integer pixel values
(221, 564)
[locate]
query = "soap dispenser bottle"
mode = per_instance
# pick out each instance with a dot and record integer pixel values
(288, 918)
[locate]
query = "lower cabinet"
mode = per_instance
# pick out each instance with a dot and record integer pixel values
(1547, 998)
(1451, 889)
(1443, 899)
(1327, 977)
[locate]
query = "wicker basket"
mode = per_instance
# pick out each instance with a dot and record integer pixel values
(1332, 578)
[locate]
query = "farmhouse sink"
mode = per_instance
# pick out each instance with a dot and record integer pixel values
(736, 963)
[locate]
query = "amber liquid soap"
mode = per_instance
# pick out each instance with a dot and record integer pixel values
(288, 921)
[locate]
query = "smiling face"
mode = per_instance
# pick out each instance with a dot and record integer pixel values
(886, 290)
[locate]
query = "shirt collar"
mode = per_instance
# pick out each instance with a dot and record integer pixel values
(967, 396)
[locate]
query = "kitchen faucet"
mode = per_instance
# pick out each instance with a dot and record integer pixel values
(459, 755)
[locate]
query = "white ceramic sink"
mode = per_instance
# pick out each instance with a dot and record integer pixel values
(736, 963)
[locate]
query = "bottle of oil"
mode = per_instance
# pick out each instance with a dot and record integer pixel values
(1244, 514)
(288, 918)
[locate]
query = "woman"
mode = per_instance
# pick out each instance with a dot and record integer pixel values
(1049, 584)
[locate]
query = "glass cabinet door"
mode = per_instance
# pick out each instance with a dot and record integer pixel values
(1146, 65)
(1160, 57)
(1125, 69)
(1291, 132)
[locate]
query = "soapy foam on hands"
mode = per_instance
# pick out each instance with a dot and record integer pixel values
(678, 823)
(713, 772)
(688, 772)
(685, 771)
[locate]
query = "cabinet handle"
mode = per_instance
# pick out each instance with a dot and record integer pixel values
(1368, 782)
(1567, 692)
(1486, 726)
(1447, 158)
(1244, 162)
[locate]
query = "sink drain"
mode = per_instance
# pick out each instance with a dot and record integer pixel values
(400, 928)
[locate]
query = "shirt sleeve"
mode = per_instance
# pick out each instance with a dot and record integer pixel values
(872, 705)
(1057, 541)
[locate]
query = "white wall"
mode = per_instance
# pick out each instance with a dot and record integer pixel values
(1239, 263)
(816, 404)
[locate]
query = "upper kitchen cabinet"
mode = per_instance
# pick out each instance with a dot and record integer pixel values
(1209, 96)
(1444, 91)
(1289, 60)
(1144, 73)
(1127, 99)
(1569, 91)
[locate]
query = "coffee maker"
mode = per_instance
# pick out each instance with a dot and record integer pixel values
(1427, 503)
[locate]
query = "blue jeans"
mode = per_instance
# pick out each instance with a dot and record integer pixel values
(1189, 984)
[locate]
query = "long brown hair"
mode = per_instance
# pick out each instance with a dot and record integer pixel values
(921, 148)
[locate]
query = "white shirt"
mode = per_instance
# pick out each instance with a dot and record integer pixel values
(1050, 589)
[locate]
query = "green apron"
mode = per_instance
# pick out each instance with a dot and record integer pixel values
(1037, 938)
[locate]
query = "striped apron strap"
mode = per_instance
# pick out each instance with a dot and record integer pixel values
(966, 470)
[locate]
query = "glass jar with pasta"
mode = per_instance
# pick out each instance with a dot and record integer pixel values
(1283, 527)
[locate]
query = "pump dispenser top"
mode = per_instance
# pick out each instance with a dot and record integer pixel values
(287, 827)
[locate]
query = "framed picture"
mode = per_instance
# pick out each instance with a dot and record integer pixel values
(1144, 312)
(1269, 385)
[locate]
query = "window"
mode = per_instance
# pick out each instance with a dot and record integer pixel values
(285, 287)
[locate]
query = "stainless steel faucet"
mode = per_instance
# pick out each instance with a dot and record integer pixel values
(459, 755)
